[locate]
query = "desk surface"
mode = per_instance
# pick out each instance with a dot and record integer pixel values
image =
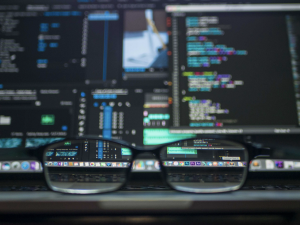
(150, 202)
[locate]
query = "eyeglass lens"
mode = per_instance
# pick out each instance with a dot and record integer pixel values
(205, 165)
(86, 166)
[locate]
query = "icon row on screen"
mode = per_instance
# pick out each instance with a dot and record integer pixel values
(86, 164)
(274, 164)
(204, 164)
(19, 166)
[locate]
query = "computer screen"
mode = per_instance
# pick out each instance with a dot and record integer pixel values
(235, 68)
(107, 68)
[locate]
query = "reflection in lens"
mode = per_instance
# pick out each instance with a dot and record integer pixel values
(86, 166)
(205, 165)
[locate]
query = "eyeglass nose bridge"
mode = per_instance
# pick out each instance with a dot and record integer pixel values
(145, 155)
(155, 155)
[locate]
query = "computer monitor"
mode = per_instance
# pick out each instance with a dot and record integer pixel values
(104, 68)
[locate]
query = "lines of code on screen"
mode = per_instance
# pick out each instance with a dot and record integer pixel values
(231, 71)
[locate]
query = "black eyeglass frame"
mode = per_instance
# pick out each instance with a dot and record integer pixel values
(38, 153)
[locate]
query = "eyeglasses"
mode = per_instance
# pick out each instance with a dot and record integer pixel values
(89, 166)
